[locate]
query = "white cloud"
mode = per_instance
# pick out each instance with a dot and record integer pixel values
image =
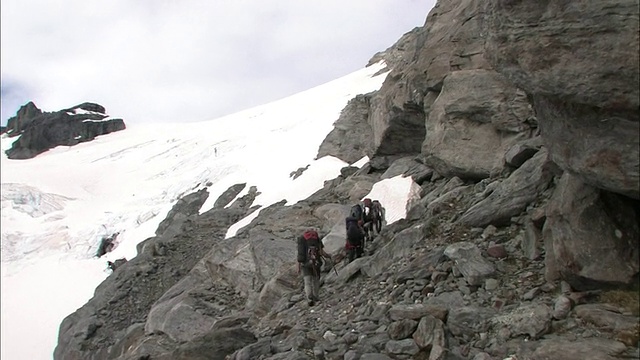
(152, 61)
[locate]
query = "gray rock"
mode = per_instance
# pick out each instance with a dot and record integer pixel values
(350, 139)
(215, 345)
(228, 195)
(590, 236)
(561, 307)
(261, 348)
(531, 294)
(408, 166)
(416, 311)
(351, 355)
(533, 320)
(482, 356)
(350, 338)
(513, 195)
(402, 347)
(449, 300)
(585, 91)
(584, 349)
(401, 246)
(531, 240)
(430, 333)
(605, 317)
(402, 329)
(491, 284)
(374, 357)
(469, 261)
(283, 283)
(476, 118)
(470, 320)
(290, 355)
(518, 154)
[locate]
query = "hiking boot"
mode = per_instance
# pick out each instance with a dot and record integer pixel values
(310, 301)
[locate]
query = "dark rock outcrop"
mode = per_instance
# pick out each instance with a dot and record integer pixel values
(40, 131)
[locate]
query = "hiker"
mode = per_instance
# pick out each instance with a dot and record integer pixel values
(310, 253)
(378, 215)
(363, 214)
(355, 238)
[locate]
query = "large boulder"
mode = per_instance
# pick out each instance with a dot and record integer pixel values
(474, 121)
(191, 307)
(579, 63)
(512, 195)
(591, 236)
(40, 131)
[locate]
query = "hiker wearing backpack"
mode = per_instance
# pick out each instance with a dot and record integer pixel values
(310, 254)
(355, 238)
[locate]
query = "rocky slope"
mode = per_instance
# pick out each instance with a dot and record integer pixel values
(40, 131)
(522, 242)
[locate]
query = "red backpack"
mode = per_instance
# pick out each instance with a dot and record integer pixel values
(311, 235)
(312, 238)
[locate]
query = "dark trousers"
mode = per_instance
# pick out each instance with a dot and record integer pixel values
(355, 252)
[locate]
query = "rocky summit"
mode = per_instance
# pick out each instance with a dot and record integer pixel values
(40, 131)
(518, 120)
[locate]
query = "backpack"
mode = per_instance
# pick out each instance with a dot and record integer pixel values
(313, 252)
(356, 211)
(376, 209)
(368, 211)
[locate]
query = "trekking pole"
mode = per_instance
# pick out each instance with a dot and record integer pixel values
(334, 265)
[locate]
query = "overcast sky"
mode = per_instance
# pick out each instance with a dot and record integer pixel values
(187, 60)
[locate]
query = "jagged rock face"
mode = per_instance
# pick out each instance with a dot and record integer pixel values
(379, 124)
(475, 120)
(579, 62)
(397, 116)
(350, 139)
(40, 131)
(401, 53)
(454, 42)
(23, 118)
(446, 102)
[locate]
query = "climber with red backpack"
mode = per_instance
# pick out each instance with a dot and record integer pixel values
(310, 254)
